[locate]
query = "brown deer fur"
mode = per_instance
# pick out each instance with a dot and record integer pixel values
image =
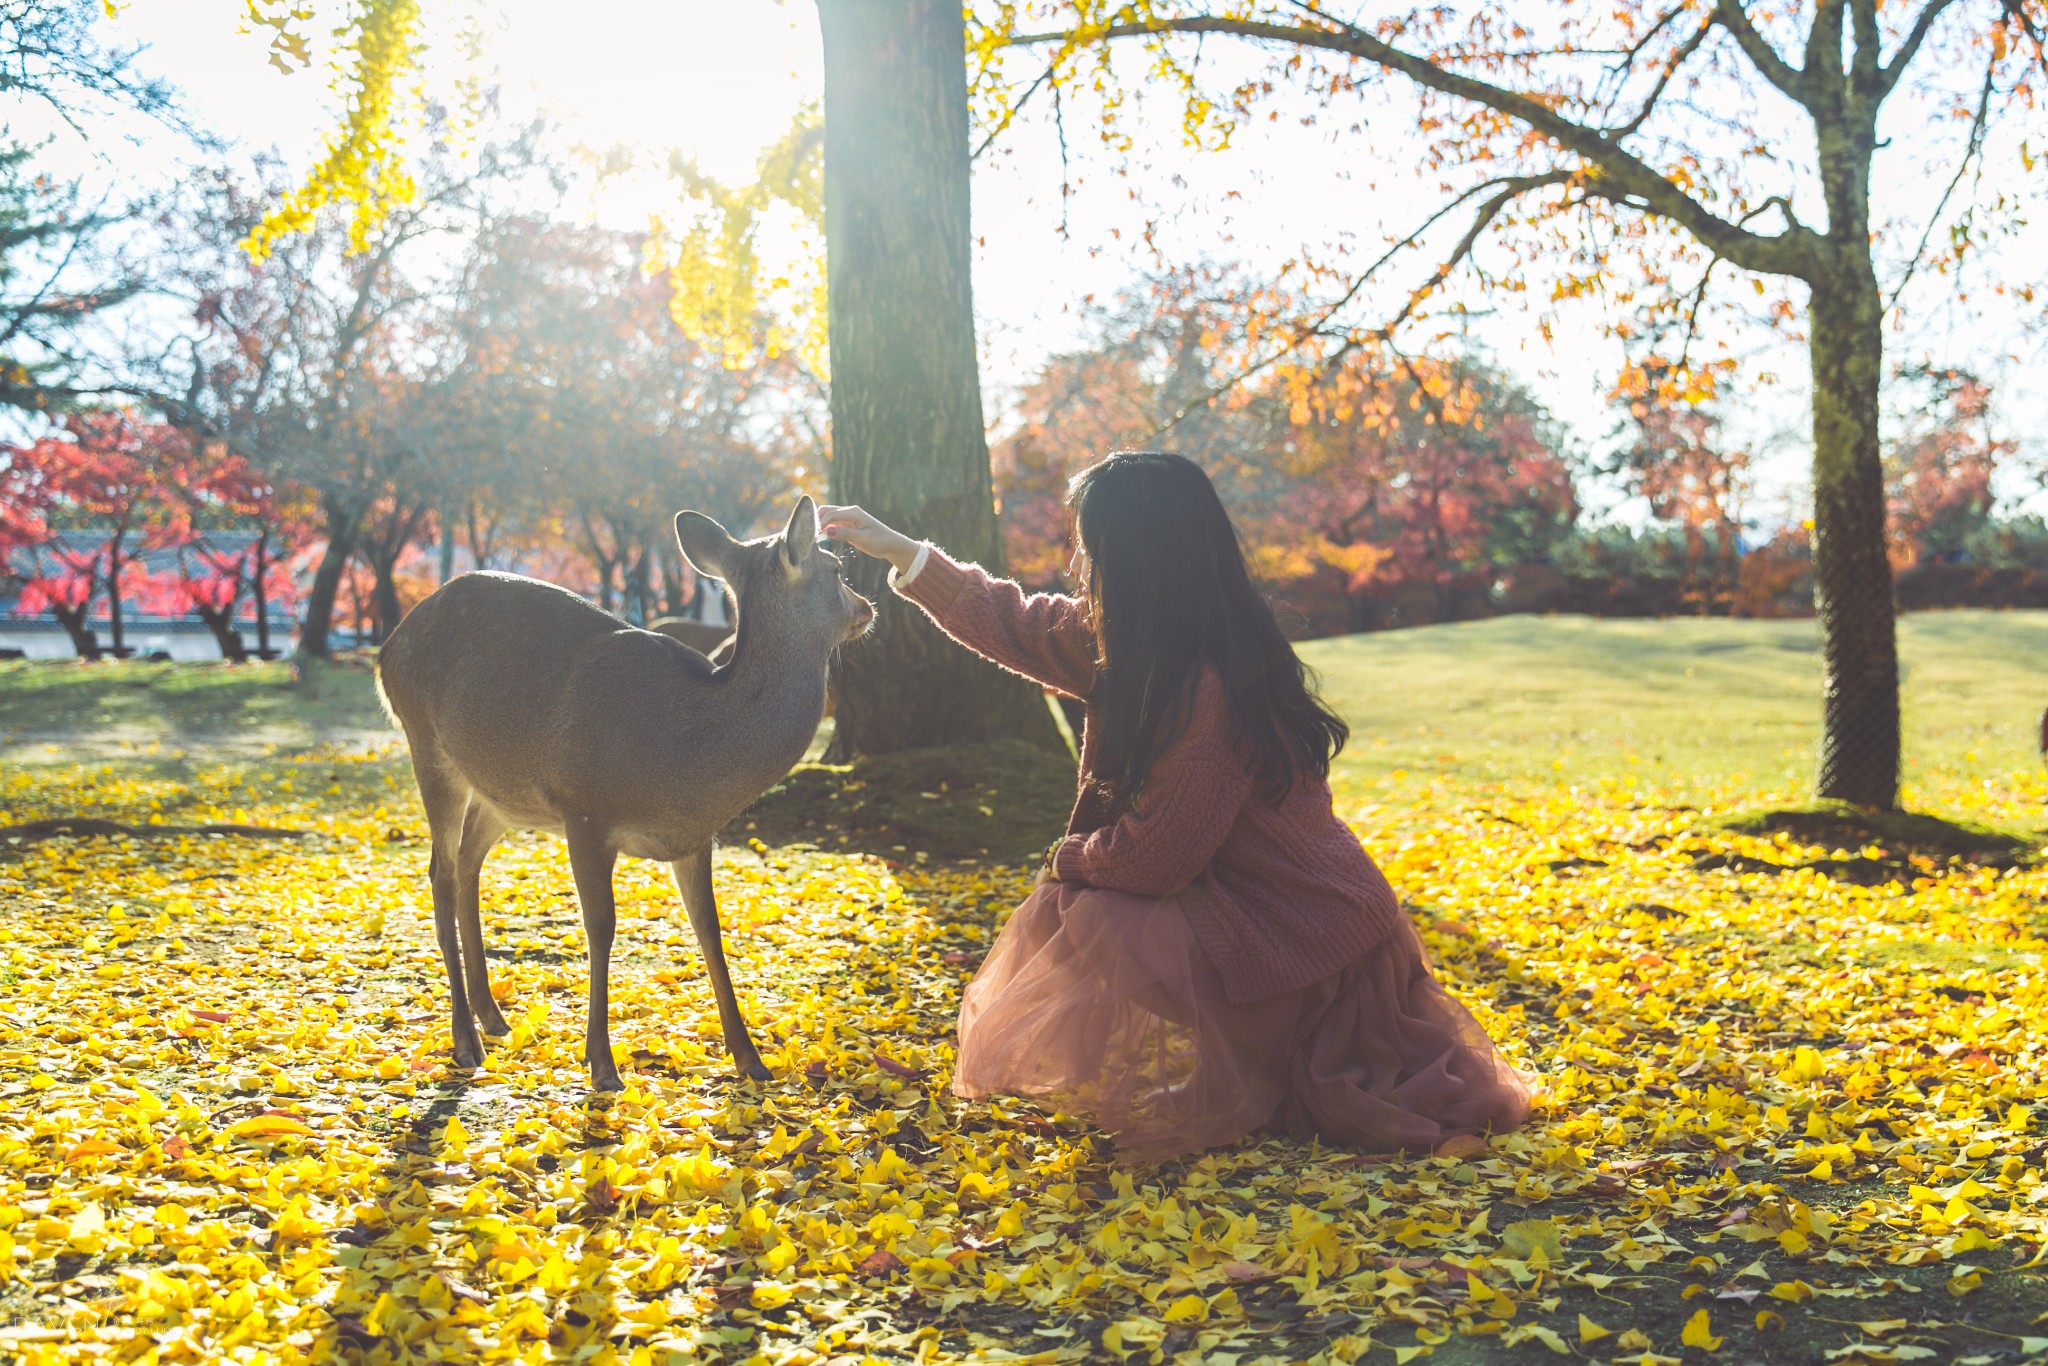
(704, 638)
(524, 705)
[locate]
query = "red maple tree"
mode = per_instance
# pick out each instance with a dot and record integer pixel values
(1938, 474)
(230, 535)
(83, 500)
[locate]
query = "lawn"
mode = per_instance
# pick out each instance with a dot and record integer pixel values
(1794, 1098)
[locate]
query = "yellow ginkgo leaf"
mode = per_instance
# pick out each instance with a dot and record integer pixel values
(268, 1126)
(1699, 1333)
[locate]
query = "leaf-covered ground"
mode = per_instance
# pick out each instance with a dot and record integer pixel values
(1795, 1110)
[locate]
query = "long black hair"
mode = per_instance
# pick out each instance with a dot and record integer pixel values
(1171, 594)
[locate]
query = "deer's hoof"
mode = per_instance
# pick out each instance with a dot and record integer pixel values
(606, 1079)
(469, 1054)
(753, 1069)
(493, 1025)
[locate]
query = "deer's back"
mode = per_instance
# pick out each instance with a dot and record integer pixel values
(531, 693)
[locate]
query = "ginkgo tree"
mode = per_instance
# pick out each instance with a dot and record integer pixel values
(1647, 148)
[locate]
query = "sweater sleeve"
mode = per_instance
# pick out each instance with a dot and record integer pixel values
(1190, 802)
(1042, 636)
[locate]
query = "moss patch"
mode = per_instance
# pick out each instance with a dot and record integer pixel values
(1005, 800)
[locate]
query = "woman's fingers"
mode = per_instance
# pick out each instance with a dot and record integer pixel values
(860, 530)
(836, 522)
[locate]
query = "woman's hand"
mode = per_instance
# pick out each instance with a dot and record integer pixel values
(866, 533)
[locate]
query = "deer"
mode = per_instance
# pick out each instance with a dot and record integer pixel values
(709, 641)
(525, 706)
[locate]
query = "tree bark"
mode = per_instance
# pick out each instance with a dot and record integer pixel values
(638, 600)
(908, 442)
(446, 568)
(384, 603)
(263, 650)
(1852, 575)
(673, 598)
(83, 639)
(119, 647)
(221, 621)
(318, 624)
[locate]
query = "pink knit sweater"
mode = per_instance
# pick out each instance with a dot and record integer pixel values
(1288, 896)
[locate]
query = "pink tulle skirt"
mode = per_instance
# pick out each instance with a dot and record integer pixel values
(1104, 1004)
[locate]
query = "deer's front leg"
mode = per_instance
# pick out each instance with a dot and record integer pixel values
(590, 859)
(693, 878)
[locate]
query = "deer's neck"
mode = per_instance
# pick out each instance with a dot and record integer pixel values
(771, 694)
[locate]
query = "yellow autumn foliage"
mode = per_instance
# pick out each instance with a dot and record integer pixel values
(246, 1143)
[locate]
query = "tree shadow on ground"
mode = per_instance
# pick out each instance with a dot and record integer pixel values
(1871, 848)
(1006, 800)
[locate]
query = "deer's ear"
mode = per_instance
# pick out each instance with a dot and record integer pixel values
(801, 535)
(705, 544)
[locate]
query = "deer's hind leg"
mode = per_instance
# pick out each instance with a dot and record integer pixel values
(446, 798)
(481, 829)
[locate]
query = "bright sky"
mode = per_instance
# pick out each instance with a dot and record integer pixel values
(719, 79)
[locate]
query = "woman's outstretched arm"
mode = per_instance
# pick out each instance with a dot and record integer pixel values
(1043, 636)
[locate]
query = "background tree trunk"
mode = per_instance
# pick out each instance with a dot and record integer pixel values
(116, 562)
(445, 570)
(907, 437)
(221, 621)
(263, 650)
(1852, 575)
(318, 623)
(384, 603)
(83, 639)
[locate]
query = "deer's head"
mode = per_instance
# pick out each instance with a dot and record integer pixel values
(788, 580)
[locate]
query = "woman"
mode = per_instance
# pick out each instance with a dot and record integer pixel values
(1208, 951)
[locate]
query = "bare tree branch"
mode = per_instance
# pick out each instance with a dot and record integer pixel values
(1787, 78)
(1980, 121)
(1692, 314)
(1014, 110)
(1678, 59)
(1910, 48)
(1624, 178)
(1867, 68)
(1822, 64)
(1506, 189)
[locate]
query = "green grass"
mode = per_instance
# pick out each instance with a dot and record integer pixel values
(1686, 702)
(129, 701)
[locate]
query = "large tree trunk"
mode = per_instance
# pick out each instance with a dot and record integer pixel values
(1852, 576)
(907, 437)
(318, 623)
